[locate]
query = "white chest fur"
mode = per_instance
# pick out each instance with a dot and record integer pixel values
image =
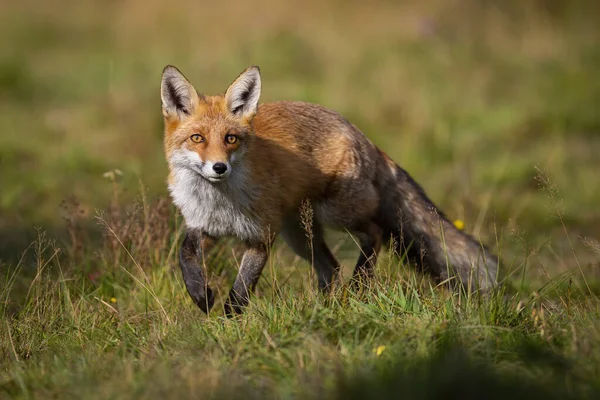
(219, 209)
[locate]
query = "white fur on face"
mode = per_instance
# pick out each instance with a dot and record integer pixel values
(184, 158)
(219, 208)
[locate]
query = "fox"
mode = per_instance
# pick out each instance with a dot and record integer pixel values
(243, 170)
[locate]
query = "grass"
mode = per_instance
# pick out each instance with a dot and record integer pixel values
(491, 106)
(130, 330)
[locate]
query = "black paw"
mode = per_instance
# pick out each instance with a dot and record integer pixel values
(232, 309)
(205, 302)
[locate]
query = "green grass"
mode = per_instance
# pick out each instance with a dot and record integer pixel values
(131, 331)
(491, 106)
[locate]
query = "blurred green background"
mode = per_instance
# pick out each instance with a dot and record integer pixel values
(493, 106)
(469, 96)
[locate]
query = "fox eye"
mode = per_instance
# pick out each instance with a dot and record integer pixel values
(231, 139)
(197, 138)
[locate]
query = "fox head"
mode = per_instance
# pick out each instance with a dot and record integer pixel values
(208, 134)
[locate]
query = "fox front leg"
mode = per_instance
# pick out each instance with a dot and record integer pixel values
(192, 257)
(253, 262)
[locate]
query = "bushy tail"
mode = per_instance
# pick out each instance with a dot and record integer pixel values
(430, 240)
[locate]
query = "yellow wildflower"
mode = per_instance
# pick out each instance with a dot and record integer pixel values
(379, 350)
(113, 299)
(459, 224)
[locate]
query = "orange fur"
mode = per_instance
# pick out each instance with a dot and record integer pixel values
(292, 157)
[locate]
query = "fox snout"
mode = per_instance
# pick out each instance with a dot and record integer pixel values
(212, 171)
(216, 171)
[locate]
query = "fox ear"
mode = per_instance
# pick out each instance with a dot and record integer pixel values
(243, 94)
(179, 98)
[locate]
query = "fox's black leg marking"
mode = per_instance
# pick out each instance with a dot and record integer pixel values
(324, 262)
(370, 243)
(253, 262)
(194, 250)
(326, 266)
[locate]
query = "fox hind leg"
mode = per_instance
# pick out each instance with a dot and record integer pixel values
(370, 238)
(317, 253)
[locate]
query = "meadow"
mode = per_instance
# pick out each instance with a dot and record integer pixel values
(493, 107)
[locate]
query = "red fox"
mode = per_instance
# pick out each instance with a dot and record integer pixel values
(244, 170)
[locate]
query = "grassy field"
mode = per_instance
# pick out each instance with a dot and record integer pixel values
(492, 106)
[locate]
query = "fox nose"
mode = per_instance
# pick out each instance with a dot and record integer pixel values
(220, 168)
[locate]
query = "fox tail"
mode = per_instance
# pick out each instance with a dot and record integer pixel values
(422, 231)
